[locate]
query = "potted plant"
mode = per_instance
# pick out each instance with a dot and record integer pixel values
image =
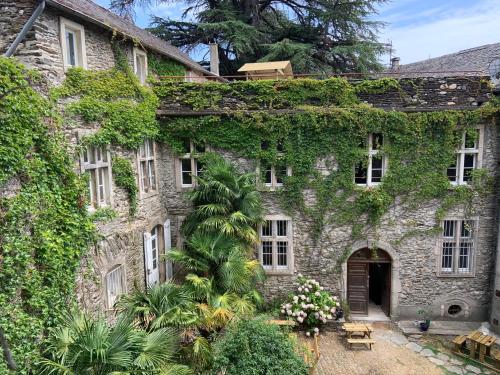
(426, 321)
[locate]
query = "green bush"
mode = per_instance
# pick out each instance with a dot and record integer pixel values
(253, 347)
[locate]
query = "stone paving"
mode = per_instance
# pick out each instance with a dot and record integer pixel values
(450, 363)
(393, 354)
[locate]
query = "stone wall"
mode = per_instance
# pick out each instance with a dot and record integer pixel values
(415, 258)
(412, 94)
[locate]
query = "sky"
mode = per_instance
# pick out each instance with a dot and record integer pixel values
(418, 29)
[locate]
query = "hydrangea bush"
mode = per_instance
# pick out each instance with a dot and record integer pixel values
(312, 306)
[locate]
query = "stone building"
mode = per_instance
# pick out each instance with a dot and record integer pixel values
(451, 272)
(62, 34)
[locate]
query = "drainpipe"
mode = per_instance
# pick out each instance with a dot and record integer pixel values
(27, 27)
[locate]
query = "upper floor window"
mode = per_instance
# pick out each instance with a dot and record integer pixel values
(467, 159)
(147, 167)
(115, 285)
(275, 249)
(73, 44)
(97, 162)
(140, 65)
(189, 164)
(371, 172)
(272, 175)
(457, 247)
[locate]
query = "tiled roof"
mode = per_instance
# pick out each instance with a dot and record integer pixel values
(87, 9)
(473, 61)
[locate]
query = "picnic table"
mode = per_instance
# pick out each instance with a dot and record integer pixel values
(481, 343)
(359, 329)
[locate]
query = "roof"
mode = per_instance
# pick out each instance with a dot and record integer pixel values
(94, 13)
(473, 61)
(272, 65)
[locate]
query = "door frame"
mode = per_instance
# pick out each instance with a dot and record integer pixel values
(394, 269)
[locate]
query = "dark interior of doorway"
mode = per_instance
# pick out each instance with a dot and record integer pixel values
(379, 285)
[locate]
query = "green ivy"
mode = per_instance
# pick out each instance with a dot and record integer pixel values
(161, 66)
(419, 146)
(124, 176)
(44, 225)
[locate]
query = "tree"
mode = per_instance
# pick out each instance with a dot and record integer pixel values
(83, 345)
(318, 36)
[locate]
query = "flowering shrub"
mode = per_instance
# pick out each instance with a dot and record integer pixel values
(312, 307)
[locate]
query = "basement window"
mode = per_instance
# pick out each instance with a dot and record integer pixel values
(72, 44)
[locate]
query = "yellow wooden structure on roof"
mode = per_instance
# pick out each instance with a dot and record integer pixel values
(267, 70)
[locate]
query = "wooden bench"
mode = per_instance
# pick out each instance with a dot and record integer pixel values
(459, 343)
(368, 342)
(496, 358)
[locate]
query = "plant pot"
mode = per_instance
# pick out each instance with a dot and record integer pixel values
(424, 326)
(339, 313)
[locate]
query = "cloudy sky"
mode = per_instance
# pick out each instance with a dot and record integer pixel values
(418, 29)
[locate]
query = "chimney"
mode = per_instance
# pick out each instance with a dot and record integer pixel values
(395, 63)
(214, 58)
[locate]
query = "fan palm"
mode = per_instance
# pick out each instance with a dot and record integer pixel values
(159, 306)
(226, 262)
(225, 202)
(82, 345)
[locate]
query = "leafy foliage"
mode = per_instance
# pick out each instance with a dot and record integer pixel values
(82, 345)
(124, 176)
(312, 306)
(328, 131)
(162, 67)
(44, 225)
(254, 347)
(318, 36)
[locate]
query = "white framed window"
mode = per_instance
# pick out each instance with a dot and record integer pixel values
(373, 171)
(140, 64)
(116, 285)
(271, 176)
(468, 158)
(96, 161)
(146, 157)
(276, 244)
(188, 164)
(73, 48)
(457, 247)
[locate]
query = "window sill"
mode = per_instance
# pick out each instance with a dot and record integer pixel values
(456, 275)
(149, 194)
(286, 272)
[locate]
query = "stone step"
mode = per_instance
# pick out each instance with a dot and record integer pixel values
(447, 328)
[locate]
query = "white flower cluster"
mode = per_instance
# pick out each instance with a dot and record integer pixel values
(312, 307)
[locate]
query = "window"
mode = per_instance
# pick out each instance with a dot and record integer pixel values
(140, 65)
(457, 247)
(189, 165)
(467, 158)
(371, 172)
(147, 167)
(73, 44)
(272, 176)
(97, 162)
(275, 249)
(115, 285)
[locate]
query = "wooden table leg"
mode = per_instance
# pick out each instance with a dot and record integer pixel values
(482, 351)
(473, 349)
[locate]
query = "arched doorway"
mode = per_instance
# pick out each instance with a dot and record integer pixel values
(369, 281)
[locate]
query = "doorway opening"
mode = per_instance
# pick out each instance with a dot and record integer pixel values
(369, 284)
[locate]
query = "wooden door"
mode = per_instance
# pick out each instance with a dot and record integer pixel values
(357, 287)
(386, 291)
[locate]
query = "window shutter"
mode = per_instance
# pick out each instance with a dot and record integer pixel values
(168, 245)
(147, 256)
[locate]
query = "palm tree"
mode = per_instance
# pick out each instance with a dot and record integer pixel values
(85, 346)
(225, 202)
(161, 305)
